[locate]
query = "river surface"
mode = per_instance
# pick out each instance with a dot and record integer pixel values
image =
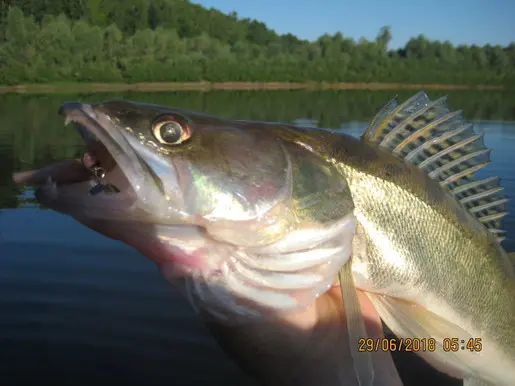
(77, 308)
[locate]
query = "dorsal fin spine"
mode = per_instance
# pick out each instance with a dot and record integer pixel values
(473, 184)
(467, 172)
(425, 129)
(409, 120)
(377, 128)
(493, 217)
(392, 104)
(488, 205)
(458, 161)
(480, 195)
(449, 150)
(439, 142)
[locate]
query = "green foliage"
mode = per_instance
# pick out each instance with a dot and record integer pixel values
(175, 40)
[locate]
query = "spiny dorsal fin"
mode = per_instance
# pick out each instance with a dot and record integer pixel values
(427, 134)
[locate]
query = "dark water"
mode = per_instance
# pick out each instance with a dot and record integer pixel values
(77, 308)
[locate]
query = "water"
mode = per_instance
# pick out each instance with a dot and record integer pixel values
(77, 308)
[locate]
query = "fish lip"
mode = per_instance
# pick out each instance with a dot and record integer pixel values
(88, 125)
(94, 125)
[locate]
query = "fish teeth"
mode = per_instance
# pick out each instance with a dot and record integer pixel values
(50, 184)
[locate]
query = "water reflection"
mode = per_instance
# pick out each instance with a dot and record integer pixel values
(77, 308)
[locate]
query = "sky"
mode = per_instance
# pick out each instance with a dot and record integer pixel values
(459, 21)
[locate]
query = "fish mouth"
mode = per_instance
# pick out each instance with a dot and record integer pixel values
(106, 182)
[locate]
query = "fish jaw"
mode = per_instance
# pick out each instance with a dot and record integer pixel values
(139, 197)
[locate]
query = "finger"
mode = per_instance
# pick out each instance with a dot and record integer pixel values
(305, 347)
(64, 172)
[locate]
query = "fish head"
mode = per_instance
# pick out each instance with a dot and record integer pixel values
(222, 203)
(180, 167)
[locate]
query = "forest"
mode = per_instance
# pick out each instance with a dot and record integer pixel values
(71, 41)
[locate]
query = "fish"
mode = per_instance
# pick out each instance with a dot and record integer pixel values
(253, 218)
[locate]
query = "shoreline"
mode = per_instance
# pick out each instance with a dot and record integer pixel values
(234, 86)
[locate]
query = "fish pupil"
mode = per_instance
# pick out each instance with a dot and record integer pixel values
(171, 132)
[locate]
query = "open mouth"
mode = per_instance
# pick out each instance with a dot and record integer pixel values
(104, 174)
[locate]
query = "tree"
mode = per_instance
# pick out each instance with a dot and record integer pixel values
(384, 38)
(175, 40)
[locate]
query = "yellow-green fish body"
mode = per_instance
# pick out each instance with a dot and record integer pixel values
(423, 242)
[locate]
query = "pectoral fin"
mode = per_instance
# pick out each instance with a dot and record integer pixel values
(475, 382)
(363, 365)
(443, 339)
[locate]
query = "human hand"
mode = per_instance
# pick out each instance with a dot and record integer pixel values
(309, 347)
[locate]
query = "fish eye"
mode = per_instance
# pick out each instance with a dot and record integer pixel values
(170, 130)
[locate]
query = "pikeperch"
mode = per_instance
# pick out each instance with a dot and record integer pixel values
(255, 217)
